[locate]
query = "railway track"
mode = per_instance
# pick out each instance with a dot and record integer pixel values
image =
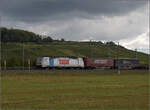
(72, 70)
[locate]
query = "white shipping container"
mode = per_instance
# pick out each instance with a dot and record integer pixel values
(68, 62)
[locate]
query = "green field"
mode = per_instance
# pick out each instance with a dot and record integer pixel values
(72, 90)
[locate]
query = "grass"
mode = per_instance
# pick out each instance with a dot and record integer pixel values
(72, 90)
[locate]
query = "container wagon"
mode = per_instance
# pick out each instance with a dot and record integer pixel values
(94, 63)
(126, 63)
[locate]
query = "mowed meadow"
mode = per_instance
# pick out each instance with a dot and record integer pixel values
(75, 90)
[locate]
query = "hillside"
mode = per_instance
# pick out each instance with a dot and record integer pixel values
(13, 52)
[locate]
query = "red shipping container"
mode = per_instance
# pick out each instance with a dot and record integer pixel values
(98, 63)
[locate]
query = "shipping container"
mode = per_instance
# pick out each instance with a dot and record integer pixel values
(98, 63)
(66, 62)
(126, 63)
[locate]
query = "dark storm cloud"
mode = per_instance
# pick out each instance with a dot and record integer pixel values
(50, 9)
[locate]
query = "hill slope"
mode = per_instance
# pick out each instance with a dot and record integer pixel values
(12, 53)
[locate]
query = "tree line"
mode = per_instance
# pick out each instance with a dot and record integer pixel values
(20, 36)
(17, 35)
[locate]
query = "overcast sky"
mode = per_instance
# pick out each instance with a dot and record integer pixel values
(124, 21)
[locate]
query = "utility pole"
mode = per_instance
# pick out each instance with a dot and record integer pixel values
(0, 45)
(108, 51)
(29, 64)
(136, 53)
(23, 56)
(90, 46)
(118, 59)
(5, 65)
(149, 42)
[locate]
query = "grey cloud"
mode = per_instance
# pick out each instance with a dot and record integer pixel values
(77, 19)
(35, 10)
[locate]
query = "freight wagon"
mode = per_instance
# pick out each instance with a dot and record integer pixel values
(98, 63)
(126, 63)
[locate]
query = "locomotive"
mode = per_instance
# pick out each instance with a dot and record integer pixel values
(86, 63)
(60, 62)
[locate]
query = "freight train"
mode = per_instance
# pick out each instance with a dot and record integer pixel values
(86, 63)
